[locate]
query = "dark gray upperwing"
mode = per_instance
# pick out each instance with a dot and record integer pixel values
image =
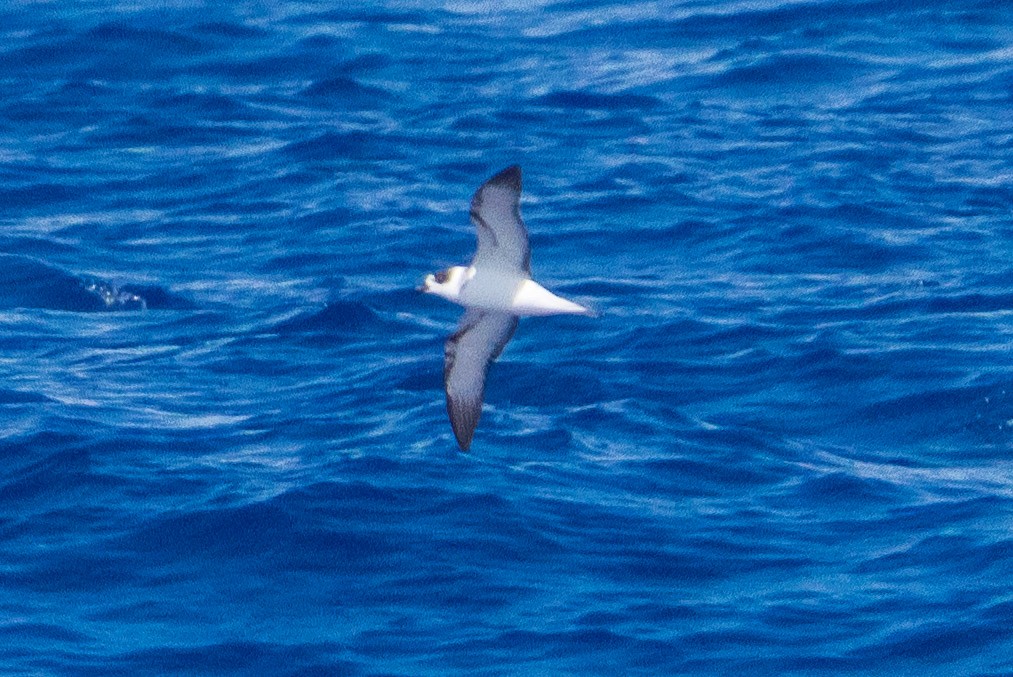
(502, 237)
(479, 339)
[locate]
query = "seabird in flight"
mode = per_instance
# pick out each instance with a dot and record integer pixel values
(496, 289)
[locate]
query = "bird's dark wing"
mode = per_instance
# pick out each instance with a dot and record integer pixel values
(502, 237)
(478, 341)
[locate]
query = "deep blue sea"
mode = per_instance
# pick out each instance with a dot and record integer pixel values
(785, 447)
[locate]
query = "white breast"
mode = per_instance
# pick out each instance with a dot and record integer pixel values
(502, 291)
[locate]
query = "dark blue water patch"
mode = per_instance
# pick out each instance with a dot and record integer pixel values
(346, 92)
(335, 318)
(661, 566)
(583, 650)
(680, 383)
(337, 147)
(801, 72)
(715, 339)
(359, 497)
(475, 122)
(792, 664)
(930, 642)
(79, 95)
(807, 614)
(797, 25)
(21, 397)
(257, 69)
(247, 208)
(27, 283)
(79, 572)
(582, 100)
(602, 183)
(540, 443)
(947, 555)
(264, 536)
(823, 364)
(39, 197)
(53, 48)
(878, 156)
(605, 288)
(804, 220)
(141, 40)
(694, 476)
(806, 247)
(745, 445)
(161, 131)
(365, 63)
(908, 302)
(303, 260)
(39, 443)
(234, 658)
(58, 476)
(533, 384)
(998, 613)
(844, 491)
(987, 200)
(230, 30)
(972, 302)
(952, 514)
(370, 17)
(611, 202)
(200, 107)
(237, 363)
(15, 632)
(464, 593)
(981, 412)
(660, 338)
(796, 20)
(629, 419)
(424, 377)
(460, 513)
(129, 52)
(157, 298)
(494, 525)
(36, 248)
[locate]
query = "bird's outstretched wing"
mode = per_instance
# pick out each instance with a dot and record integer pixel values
(502, 237)
(478, 341)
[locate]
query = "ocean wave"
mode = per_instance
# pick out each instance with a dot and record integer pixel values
(27, 283)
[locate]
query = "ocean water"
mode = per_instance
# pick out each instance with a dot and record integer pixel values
(785, 446)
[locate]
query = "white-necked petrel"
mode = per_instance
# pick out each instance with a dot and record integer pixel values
(495, 289)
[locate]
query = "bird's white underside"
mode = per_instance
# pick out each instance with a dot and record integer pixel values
(496, 289)
(502, 291)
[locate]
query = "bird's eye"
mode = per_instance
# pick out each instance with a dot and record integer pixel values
(441, 276)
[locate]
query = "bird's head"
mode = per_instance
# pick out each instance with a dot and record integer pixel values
(446, 283)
